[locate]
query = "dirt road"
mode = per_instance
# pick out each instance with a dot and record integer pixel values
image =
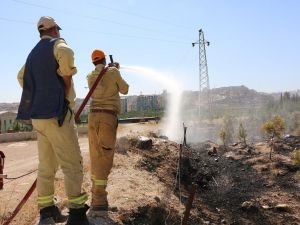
(21, 159)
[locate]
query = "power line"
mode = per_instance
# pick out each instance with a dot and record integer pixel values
(104, 33)
(139, 15)
(16, 21)
(92, 17)
(134, 37)
(35, 5)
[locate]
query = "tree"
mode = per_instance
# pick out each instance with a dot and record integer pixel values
(296, 159)
(296, 122)
(16, 126)
(228, 129)
(223, 135)
(242, 134)
(226, 132)
(273, 129)
(286, 96)
(78, 121)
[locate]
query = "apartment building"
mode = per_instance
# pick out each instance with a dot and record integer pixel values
(7, 120)
(143, 102)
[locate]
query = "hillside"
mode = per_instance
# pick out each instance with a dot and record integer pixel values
(238, 95)
(10, 107)
(233, 95)
(239, 98)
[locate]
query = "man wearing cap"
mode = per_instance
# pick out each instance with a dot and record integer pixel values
(103, 122)
(47, 100)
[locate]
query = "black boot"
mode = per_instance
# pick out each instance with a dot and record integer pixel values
(51, 215)
(78, 216)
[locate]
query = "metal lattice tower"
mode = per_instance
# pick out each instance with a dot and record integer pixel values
(204, 89)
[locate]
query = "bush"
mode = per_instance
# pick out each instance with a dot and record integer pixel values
(296, 160)
(273, 128)
(242, 134)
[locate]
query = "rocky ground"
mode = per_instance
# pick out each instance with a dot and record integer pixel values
(152, 180)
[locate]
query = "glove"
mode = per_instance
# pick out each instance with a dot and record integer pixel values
(115, 64)
(66, 109)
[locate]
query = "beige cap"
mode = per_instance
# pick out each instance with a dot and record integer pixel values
(46, 22)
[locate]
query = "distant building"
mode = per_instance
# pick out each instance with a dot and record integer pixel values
(124, 105)
(7, 120)
(132, 103)
(147, 102)
(141, 102)
(162, 100)
(86, 108)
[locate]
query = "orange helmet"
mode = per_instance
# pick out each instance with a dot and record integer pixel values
(97, 55)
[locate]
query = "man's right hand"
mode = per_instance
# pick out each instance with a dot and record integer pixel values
(114, 64)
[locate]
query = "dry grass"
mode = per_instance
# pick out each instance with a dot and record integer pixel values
(4, 206)
(29, 212)
(26, 216)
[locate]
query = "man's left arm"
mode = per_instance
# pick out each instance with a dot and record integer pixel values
(67, 81)
(65, 59)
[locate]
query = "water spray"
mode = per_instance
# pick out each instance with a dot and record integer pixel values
(172, 127)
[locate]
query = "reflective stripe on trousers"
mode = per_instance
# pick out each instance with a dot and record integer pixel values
(44, 201)
(79, 200)
(99, 182)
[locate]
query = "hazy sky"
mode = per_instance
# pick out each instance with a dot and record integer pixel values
(253, 43)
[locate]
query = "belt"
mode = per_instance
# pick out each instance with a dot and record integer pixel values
(104, 111)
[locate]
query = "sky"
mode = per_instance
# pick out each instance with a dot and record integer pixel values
(253, 43)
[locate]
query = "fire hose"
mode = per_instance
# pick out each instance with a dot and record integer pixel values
(33, 186)
(2, 156)
(18, 177)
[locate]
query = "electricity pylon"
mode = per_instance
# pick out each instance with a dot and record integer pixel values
(204, 89)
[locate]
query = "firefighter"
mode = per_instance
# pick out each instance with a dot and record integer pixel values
(102, 123)
(48, 101)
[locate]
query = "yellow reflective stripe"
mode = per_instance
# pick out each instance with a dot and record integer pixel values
(45, 197)
(99, 182)
(41, 202)
(80, 200)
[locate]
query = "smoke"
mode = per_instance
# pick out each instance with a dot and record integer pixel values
(240, 104)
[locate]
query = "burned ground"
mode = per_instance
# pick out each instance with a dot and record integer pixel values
(235, 185)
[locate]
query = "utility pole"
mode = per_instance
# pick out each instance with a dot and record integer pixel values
(204, 88)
